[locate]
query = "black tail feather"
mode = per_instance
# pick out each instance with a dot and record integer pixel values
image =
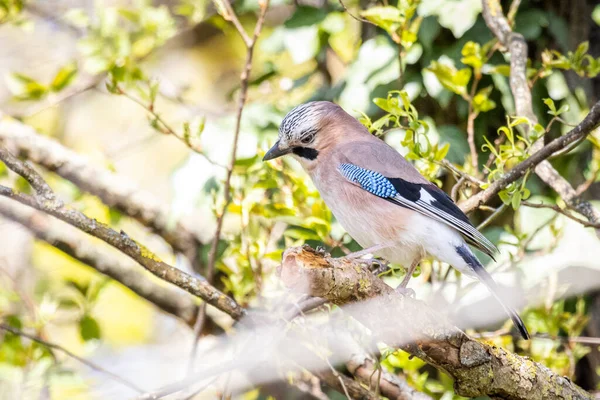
(489, 282)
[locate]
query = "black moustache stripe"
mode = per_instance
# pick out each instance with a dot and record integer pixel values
(306, 152)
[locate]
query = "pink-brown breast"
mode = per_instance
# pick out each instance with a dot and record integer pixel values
(368, 219)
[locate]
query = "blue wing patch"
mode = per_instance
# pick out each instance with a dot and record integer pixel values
(370, 181)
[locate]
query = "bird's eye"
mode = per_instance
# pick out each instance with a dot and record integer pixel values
(308, 138)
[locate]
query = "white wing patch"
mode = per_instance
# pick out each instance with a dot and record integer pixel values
(425, 196)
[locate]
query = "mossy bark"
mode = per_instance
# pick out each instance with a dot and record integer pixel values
(478, 369)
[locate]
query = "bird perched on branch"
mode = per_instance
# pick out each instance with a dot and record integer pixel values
(379, 198)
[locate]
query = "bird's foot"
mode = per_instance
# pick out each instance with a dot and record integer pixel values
(404, 291)
(376, 266)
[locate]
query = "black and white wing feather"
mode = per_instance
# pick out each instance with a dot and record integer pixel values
(424, 198)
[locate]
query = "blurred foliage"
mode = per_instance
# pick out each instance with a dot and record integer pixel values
(414, 74)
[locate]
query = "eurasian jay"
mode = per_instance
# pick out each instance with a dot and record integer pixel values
(379, 198)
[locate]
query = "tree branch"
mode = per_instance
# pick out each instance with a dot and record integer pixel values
(390, 385)
(196, 286)
(72, 243)
(478, 369)
(114, 190)
(244, 79)
(584, 128)
(517, 47)
(43, 191)
(346, 386)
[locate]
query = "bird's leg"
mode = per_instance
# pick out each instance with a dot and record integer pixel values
(402, 289)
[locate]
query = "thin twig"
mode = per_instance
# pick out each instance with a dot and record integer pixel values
(456, 188)
(472, 114)
(447, 164)
(400, 68)
(191, 142)
(563, 212)
(492, 157)
(588, 182)
(245, 75)
(230, 15)
(244, 79)
(512, 11)
(492, 216)
(359, 19)
(85, 362)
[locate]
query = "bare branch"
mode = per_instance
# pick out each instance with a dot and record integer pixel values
(53, 346)
(114, 190)
(478, 369)
(72, 243)
(121, 241)
(517, 47)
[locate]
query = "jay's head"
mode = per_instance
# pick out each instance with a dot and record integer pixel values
(307, 130)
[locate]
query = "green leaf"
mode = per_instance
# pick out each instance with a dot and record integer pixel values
(452, 79)
(550, 103)
(302, 234)
(154, 86)
(482, 102)
(63, 77)
(306, 16)
(516, 200)
(89, 328)
(388, 18)
(472, 55)
(596, 14)
(24, 87)
(441, 152)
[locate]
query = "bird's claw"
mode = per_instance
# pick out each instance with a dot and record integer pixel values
(376, 266)
(404, 291)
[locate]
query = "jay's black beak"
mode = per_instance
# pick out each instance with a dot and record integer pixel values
(275, 152)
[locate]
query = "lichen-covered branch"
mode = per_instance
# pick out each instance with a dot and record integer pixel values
(73, 243)
(197, 286)
(114, 190)
(478, 369)
(517, 47)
